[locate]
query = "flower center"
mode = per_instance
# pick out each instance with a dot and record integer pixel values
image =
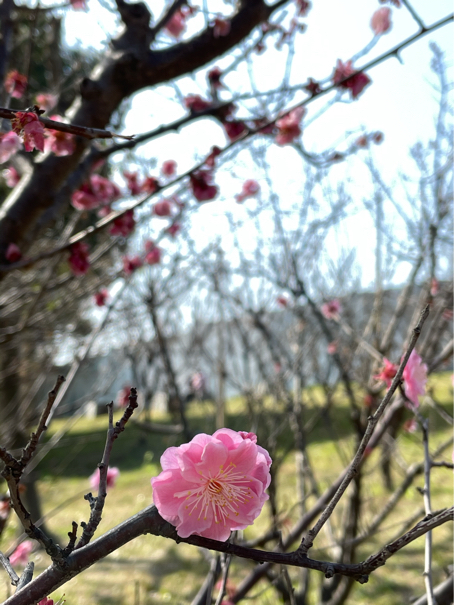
(222, 494)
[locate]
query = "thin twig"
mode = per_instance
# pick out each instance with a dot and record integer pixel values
(428, 509)
(97, 504)
(9, 569)
(30, 448)
(81, 131)
(26, 576)
(225, 574)
(247, 134)
(307, 541)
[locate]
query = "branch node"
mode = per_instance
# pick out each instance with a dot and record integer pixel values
(329, 571)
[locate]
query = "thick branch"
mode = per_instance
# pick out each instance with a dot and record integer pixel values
(149, 521)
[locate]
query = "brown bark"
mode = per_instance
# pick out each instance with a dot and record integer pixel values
(127, 67)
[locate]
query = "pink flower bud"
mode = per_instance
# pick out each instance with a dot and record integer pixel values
(169, 168)
(355, 84)
(162, 208)
(13, 253)
(15, 84)
(101, 297)
(112, 475)
(381, 21)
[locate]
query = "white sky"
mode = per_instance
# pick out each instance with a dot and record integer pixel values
(400, 103)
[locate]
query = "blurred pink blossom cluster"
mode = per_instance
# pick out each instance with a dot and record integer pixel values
(112, 476)
(355, 84)
(15, 84)
(27, 125)
(415, 378)
(202, 186)
(387, 373)
(331, 309)
(177, 23)
(289, 126)
(10, 143)
(249, 189)
(214, 484)
(95, 192)
(78, 260)
(21, 554)
(101, 297)
(381, 21)
(123, 396)
(60, 143)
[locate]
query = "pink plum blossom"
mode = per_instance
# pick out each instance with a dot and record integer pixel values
(46, 601)
(173, 229)
(123, 397)
(10, 143)
(13, 253)
(101, 297)
(355, 84)
(303, 7)
(153, 253)
(150, 184)
(130, 264)
(5, 507)
(381, 21)
(84, 198)
(378, 137)
(60, 143)
(201, 185)
(177, 24)
(213, 485)
(162, 208)
(234, 129)
(415, 378)
(21, 554)
(369, 400)
(264, 126)
(249, 189)
(105, 210)
(198, 382)
(289, 126)
(313, 87)
(387, 373)
(46, 101)
(15, 84)
(169, 168)
(331, 309)
(211, 158)
(112, 475)
(105, 190)
(230, 588)
(27, 124)
(195, 103)
(410, 425)
(214, 77)
(97, 191)
(78, 4)
(124, 224)
(132, 181)
(221, 28)
(362, 141)
(78, 260)
(332, 347)
(434, 287)
(11, 176)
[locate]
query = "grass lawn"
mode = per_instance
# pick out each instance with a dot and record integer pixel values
(150, 570)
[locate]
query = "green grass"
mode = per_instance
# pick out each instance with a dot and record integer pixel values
(160, 571)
